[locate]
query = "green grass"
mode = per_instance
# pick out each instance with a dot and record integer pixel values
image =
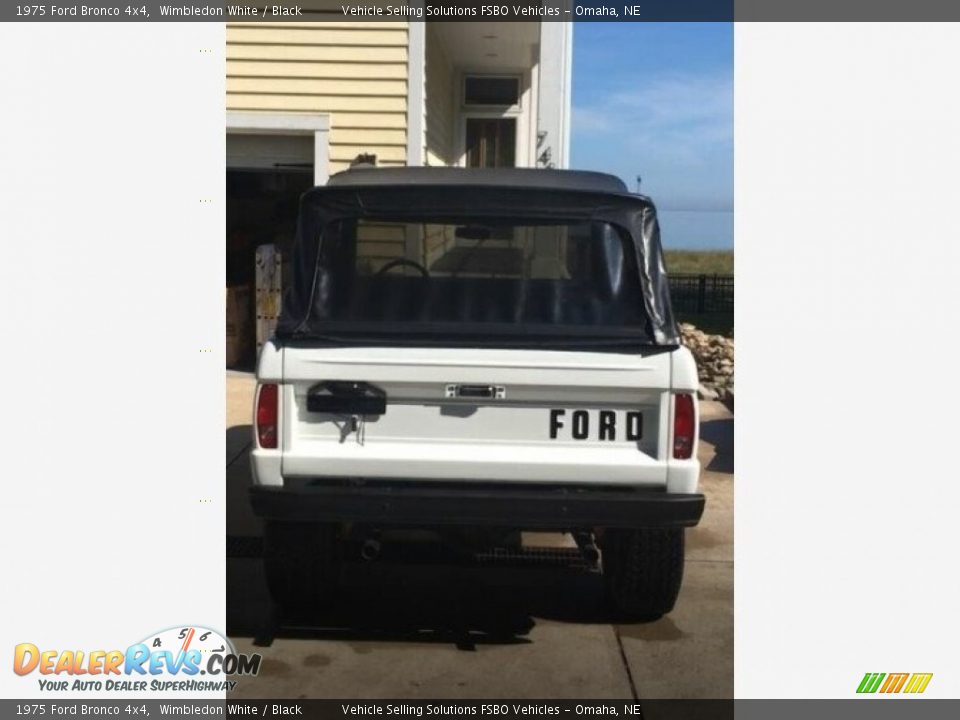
(700, 262)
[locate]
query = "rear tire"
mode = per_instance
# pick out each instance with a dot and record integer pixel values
(302, 563)
(642, 571)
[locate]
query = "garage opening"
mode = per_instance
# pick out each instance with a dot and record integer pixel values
(261, 218)
(267, 171)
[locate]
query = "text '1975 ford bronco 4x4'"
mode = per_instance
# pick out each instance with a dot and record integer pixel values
(490, 349)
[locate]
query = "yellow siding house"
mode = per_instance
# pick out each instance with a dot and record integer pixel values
(409, 93)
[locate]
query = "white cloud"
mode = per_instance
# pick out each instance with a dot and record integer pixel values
(587, 121)
(682, 114)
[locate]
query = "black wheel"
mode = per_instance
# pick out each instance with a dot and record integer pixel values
(642, 571)
(302, 563)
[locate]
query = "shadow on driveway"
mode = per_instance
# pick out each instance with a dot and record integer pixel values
(420, 597)
(239, 439)
(719, 433)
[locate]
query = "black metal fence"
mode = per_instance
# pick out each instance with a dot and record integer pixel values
(701, 294)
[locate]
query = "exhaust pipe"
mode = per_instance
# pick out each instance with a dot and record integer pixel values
(588, 548)
(370, 549)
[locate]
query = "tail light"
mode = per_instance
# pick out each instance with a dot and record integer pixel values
(684, 426)
(267, 416)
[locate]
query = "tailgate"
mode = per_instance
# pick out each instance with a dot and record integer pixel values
(490, 415)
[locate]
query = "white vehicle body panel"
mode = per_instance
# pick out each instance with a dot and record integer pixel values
(427, 435)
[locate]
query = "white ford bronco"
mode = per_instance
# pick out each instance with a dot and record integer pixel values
(491, 349)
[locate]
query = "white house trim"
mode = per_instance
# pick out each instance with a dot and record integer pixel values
(416, 89)
(553, 117)
(565, 98)
(265, 123)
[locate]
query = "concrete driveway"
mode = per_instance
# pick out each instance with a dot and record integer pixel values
(498, 630)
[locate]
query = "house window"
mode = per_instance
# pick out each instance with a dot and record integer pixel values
(489, 90)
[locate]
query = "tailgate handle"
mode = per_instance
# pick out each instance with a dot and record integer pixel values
(349, 398)
(476, 392)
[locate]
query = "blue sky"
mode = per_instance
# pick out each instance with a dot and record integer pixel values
(656, 99)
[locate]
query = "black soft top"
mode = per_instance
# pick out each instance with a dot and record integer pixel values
(515, 193)
(520, 178)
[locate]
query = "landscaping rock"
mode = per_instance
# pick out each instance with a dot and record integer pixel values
(706, 393)
(715, 365)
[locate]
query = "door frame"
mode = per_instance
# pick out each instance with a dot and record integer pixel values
(521, 112)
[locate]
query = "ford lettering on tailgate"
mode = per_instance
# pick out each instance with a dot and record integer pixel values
(599, 424)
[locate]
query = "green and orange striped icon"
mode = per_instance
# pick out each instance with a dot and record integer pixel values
(912, 683)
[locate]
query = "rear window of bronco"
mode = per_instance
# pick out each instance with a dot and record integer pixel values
(473, 274)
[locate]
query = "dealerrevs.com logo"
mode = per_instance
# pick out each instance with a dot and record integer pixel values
(179, 659)
(892, 683)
